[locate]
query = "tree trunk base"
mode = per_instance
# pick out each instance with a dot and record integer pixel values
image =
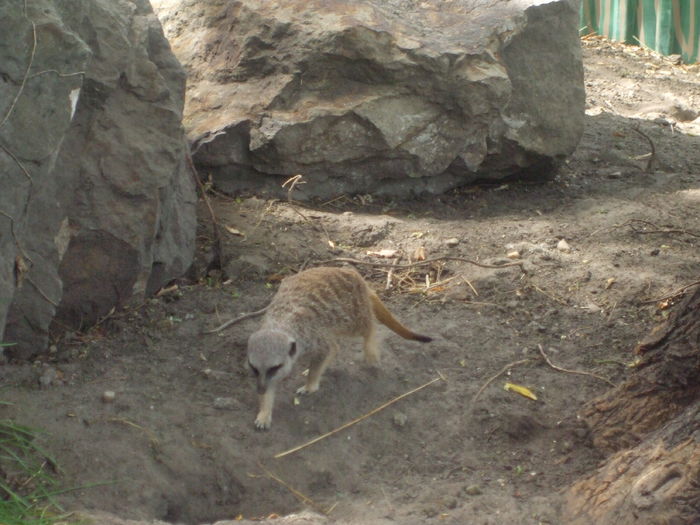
(651, 427)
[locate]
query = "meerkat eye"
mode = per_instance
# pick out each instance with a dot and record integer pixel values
(293, 349)
(255, 370)
(272, 370)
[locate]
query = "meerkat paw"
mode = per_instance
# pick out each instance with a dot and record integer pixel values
(263, 421)
(372, 359)
(306, 389)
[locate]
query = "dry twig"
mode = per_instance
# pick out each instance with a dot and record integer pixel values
(151, 436)
(652, 156)
(552, 297)
(216, 261)
(470, 286)
(41, 292)
(420, 263)
(672, 295)
(356, 420)
(293, 181)
(657, 228)
(566, 370)
(238, 319)
(299, 495)
(390, 273)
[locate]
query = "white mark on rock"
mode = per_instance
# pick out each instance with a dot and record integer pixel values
(73, 97)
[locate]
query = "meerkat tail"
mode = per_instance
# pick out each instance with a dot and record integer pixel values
(384, 316)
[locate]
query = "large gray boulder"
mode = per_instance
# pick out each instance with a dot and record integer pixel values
(97, 206)
(377, 96)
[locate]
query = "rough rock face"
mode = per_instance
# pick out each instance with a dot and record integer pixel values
(97, 205)
(383, 96)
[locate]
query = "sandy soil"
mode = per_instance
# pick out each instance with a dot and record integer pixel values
(177, 443)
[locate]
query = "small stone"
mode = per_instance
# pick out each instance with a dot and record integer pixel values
(224, 403)
(592, 307)
(400, 419)
(108, 396)
(48, 377)
(472, 490)
(53, 349)
(563, 246)
(215, 374)
(430, 511)
(515, 254)
(654, 252)
(452, 242)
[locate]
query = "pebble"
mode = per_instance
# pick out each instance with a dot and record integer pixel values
(108, 396)
(400, 419)
(515, 254)
(224, 402)
(563, 246)
(430, 511)
(215, 374)
(592, 307)
(48, 376)
(452, 242)
(472, 490)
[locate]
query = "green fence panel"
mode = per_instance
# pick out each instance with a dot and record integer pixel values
(667, 26)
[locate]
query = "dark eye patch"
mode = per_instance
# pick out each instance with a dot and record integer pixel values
(272, 370)
(255, 370)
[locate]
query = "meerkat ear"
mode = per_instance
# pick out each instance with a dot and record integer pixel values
(293, 349)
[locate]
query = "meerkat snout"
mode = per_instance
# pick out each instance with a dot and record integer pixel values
(271, 355)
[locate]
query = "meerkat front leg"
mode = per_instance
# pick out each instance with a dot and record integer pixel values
(264, 418)
(316, 370)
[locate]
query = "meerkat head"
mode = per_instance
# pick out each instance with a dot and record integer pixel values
(271, 354)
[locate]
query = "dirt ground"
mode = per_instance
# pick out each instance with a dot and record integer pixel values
(177, 442)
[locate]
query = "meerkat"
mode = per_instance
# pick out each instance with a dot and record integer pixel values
(310, 311)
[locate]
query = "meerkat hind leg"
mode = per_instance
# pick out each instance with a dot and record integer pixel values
(316, 371)
(371, 346)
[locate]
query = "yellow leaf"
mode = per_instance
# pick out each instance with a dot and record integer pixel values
(233, 231)
(635, 363)
(522, 390)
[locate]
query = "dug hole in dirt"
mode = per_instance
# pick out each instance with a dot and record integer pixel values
(612, 233)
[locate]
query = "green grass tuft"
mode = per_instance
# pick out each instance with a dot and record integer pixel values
(27, 484)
